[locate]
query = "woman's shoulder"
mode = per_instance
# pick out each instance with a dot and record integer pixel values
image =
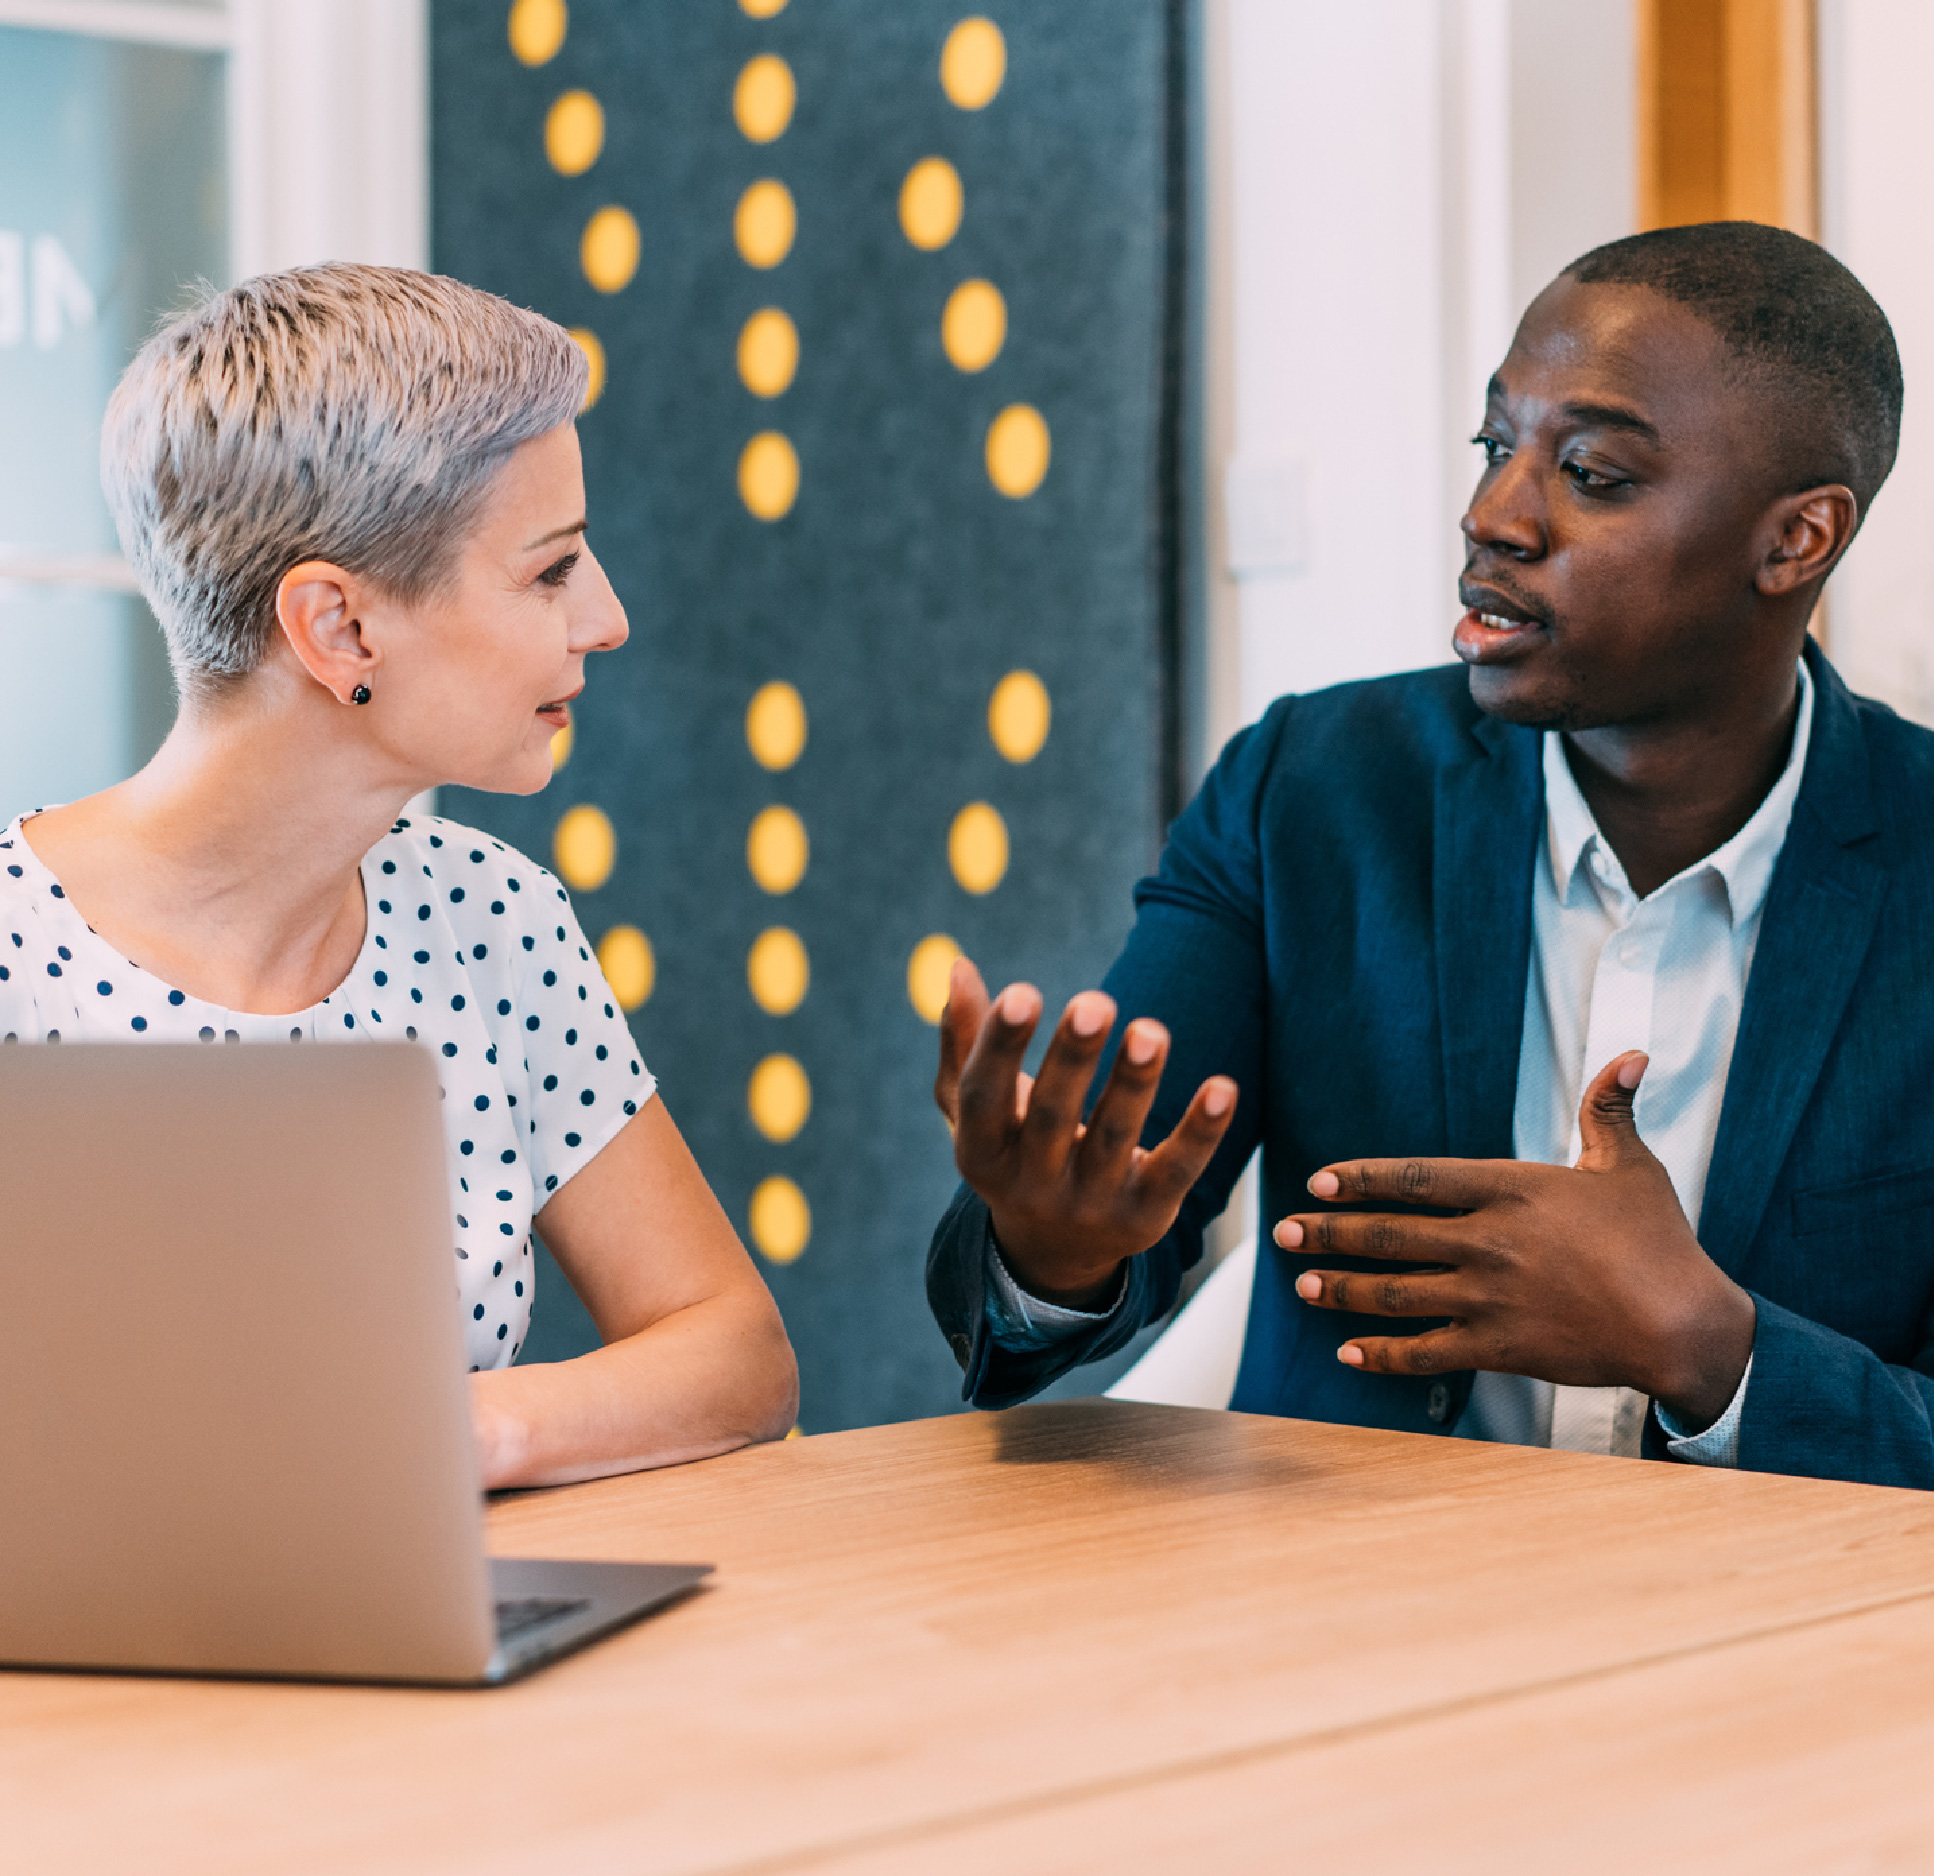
(464, 867)
(513, 926)
(25, 948)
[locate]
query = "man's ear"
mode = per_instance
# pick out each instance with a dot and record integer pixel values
(316, 607)
(1810, 532)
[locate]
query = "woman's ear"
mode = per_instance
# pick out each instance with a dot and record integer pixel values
(315, 605)
(1812, 530)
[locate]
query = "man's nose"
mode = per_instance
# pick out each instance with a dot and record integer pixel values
(1506, 514)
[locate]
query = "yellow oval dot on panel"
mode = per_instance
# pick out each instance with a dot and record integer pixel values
(764, 223)
(561, 741)
(537, 30)
(768, 352)
(928, 972)
(762, 9)
(768, 475)
(775, 726)
(777, 972)
(1018, 450)
(1018, 715)
(609, 250)
(585, 848)
(574, 133)
(763, 98)
(972, 63)
(630, 967)
(973, 327)
(779, 1098)
(977, 847)
(781, 1220)
(776, 849)
(593, 350)
(930, 202)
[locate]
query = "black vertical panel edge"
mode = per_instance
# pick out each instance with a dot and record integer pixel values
(1175, 534)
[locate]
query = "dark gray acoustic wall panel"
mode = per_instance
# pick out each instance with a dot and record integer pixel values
(830, 540)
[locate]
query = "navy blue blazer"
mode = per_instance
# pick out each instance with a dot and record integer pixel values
(1342, 923)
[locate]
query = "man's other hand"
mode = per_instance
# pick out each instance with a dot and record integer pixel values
(1070, 1203)
(1587, 1275)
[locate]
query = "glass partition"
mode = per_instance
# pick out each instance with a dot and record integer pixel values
(113, 206)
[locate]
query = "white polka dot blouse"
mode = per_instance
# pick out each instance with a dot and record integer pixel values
(471, 950)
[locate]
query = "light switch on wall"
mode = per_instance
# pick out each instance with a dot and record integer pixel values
(1265, 517)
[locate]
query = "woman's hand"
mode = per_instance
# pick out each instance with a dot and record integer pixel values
(696, 1359)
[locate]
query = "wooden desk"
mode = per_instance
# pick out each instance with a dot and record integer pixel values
(1093, 1637)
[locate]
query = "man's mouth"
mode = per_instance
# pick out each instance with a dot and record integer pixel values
(557, 714)
(1494, 629)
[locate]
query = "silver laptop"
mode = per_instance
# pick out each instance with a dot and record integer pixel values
(234, 1415)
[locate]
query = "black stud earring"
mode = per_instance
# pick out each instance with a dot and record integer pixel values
(360, 695)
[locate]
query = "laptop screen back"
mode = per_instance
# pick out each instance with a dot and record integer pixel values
(234, 1422)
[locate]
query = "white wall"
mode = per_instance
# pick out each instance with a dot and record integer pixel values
(1389, 183)
(329, 117)
(1333, 323)
(1877, 152)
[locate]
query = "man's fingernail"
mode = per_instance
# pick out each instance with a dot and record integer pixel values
(1013, 1004)
(1350, 1355)
(1139, 1047)
(1630, 1073)
(1217, 1102)
(1309, 1286)
(1087, 1016)
(1289, 1234)
(1325, 1185)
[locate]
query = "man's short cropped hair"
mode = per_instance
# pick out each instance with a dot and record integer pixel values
(344, 413)
(1797, 321)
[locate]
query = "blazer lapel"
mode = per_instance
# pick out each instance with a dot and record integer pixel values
(1820, 915)
(1489, 819)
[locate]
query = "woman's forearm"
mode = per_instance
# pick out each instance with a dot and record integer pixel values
(701, 1381)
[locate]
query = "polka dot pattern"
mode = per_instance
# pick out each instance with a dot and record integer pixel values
(609, 249)
(973, 63)
(471, 951)
(929, 975)
(977, 847)
(593, 349)
(931, 203)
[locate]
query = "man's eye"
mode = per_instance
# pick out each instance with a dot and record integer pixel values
(1494, 450)
(1592, 479)
(559, 570)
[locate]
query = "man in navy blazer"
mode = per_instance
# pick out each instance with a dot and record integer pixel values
(1376, 921)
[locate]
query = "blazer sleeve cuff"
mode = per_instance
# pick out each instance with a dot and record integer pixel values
(1826, 1406)
(958, 1262)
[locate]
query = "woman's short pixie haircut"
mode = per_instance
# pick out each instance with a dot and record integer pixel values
(344, 413)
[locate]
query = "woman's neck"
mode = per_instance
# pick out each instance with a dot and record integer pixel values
(228, 867)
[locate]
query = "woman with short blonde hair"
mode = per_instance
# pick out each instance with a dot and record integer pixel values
(354, 498)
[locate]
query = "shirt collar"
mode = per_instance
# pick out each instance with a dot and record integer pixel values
(1745, 863)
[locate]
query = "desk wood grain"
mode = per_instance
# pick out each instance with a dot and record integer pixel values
(1804, 1751)
(917, 1629)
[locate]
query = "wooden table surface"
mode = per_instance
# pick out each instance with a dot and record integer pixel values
(1094, 1636)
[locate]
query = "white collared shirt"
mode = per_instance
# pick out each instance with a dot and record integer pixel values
(1610, 972)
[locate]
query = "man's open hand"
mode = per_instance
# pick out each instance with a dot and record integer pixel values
(1069, 1202)
(1587, 1275)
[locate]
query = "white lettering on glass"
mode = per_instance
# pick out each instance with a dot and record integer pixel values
(60, 294)
(13, 288)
